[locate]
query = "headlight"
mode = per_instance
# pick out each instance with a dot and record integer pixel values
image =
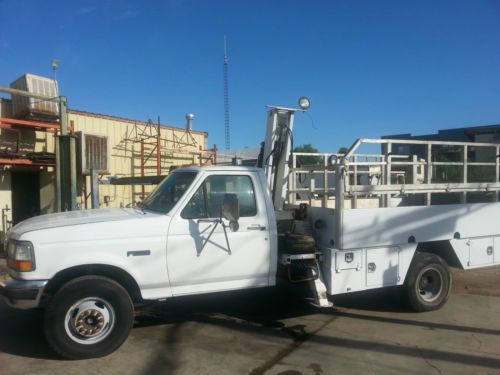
(20, 256)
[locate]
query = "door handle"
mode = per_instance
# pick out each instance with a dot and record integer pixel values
(256, 227)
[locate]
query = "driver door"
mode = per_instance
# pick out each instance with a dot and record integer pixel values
(196, 265)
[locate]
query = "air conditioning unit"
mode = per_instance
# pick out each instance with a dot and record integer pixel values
(92, 153)
(23, 106)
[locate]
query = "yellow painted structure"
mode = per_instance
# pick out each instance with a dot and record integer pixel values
(178, 147)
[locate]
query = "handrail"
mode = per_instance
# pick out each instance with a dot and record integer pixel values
(393, 175)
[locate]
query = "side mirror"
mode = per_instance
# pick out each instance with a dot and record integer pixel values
(231, 210)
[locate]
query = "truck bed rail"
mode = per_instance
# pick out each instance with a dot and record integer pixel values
(405, 172)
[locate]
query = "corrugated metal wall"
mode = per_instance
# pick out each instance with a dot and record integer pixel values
(125, 152)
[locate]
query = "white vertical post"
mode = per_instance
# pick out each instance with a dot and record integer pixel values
(312, 187)
(325, 181)
(388, 152)
(428, 178)
(355, 198)
(381, 197)
(339, 207)
(465, 172)
(497, 171)
(414, 169)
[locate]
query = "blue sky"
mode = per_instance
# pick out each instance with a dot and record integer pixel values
(371, 68)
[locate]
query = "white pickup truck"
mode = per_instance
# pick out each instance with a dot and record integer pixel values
(89, 268)
(219, 228)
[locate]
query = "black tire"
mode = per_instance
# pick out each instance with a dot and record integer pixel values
(428, 284)
(102, 315)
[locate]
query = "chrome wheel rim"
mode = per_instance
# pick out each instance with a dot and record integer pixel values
(89, 320)
(430, 284)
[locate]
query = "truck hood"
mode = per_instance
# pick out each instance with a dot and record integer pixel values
(74, 218)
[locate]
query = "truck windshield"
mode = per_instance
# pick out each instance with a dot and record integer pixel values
(168, 192)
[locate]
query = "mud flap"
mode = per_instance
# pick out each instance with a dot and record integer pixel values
(318, 288)
(310, 271)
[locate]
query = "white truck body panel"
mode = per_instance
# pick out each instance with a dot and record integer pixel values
(477, 252)
(369, 268)
(387, 231)
(71, 218)
(111, 242)
(395, 225)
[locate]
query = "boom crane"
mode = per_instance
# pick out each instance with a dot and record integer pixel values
(274, 158)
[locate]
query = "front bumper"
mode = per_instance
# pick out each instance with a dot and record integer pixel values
(21, 294)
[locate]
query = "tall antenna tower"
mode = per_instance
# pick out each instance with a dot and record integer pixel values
(227, 134)
(55, 65)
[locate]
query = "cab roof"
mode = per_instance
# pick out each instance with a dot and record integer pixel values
(232, 168)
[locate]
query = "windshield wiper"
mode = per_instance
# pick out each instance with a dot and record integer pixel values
(140, 206)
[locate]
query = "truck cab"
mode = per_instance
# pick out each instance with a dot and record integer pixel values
(230, 257)
(89, 268)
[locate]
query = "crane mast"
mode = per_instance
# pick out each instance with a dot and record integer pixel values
(227, 134)
(277, 149)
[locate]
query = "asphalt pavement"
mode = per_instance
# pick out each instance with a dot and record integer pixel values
(277, 331)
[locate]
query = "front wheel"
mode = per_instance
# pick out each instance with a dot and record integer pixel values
(90, 316)
(428, 285)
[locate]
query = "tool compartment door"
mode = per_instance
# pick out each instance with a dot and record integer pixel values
(382, 266)
(481, 251)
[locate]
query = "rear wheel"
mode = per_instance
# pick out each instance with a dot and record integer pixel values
(90, 316)
(429, 282)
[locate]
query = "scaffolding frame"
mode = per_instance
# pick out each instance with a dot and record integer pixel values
(147, 137)
(12, 157)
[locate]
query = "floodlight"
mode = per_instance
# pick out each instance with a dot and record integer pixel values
(304, 103)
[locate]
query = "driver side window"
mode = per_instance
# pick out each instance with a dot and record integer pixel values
(196, 207)
(207, 201)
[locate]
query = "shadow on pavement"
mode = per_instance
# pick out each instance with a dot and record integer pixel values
(21, 333)
(390, 299)
(258, 312)
(265, 306)
(261, 312)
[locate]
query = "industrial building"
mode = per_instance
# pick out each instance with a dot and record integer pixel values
(484, 134)
(478, 134)
(122, 152)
